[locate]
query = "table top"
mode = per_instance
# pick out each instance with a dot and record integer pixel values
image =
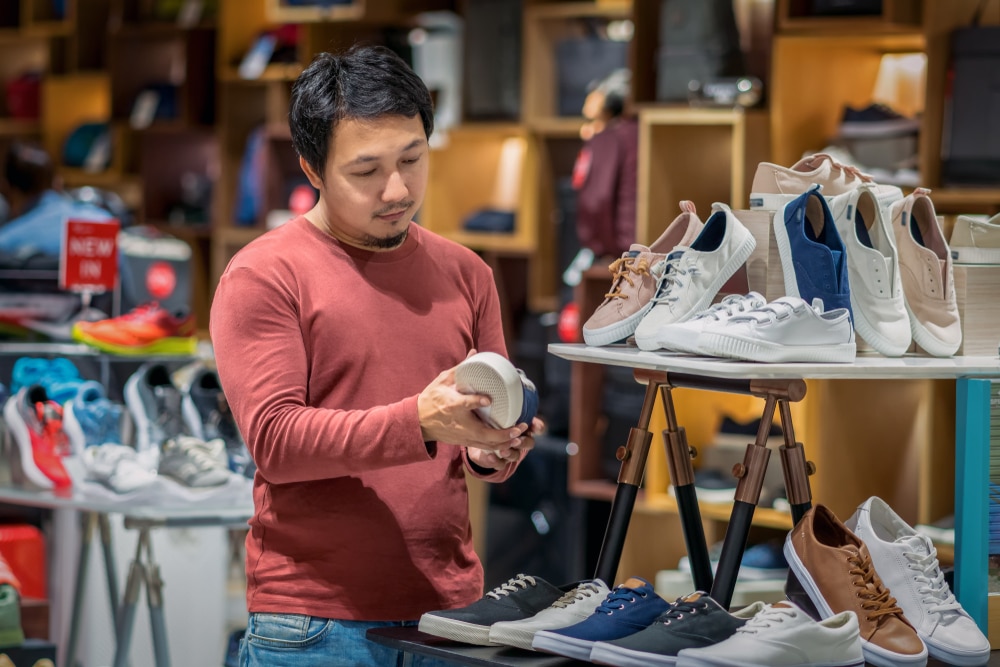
(866, 366)
(411, 640)
(170, 514)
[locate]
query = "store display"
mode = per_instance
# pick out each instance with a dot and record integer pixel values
(907, 562)
(876, 288)
(684, 336)
(118, 467)
(693, 621)
(632, 283)
(782, 635)
(975, 239)
(927, 273)
(573, 607)
(208, 415)
(145, 330)
(774, 186)
(513, 397)
(691, 277)
(836, 571)
(194, 462)
(519, 598)
(627, 609)
(154, 403)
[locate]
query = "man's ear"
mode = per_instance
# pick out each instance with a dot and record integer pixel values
(310, 173)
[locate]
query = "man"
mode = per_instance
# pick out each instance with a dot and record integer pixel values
(336, 336)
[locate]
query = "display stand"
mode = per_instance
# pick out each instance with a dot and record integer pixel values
(778, 385)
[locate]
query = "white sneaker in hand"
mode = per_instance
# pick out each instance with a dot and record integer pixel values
(513, 397)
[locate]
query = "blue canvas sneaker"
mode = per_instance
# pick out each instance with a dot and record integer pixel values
(628, 609)
(813, 256)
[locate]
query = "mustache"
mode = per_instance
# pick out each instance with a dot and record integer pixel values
(395, 208)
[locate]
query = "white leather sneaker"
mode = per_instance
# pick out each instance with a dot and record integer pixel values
(571, 608)
(975, 239)
(908, 565)
(784, 636)
(683, 336)
(873, 272)
(691, 277)
(786, 330)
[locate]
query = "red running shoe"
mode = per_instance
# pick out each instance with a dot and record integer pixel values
(146, 329)
(35, 424)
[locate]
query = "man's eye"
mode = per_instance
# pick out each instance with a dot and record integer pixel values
(366, 173)
(411, 160)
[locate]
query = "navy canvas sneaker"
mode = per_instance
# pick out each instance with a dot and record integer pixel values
(629, 608)
(813, 256)
(693, 621)
(519, 598)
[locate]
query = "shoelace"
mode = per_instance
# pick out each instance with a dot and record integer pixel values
(621, 270)
(936, 594)
(767, 618)
(579, 593)
(671, 275)
(618, 598)
(730, 305)
(679, 608)
(521, 581)
(875, 597)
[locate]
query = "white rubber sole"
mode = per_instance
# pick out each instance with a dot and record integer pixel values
(493, 375)
(516, 637)
(880, 343)
(965, 255)
(571, 647)
(736, 347)
(603, 654)
(927, 342)
(760, 201)
(459, 631)
(613, 333)
(956, 656)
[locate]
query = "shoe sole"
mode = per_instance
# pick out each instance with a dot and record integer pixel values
(928, 343)
(491, 374)
(459, 631)
(170, 346)
(880, 343)
(570, 647)
(699, 661)
(732, 265)
(17, 430)
(617, 656)
(733, 347)
(875, 655)
(948, 656)
(516, 637)
(966, 255)
(620, 330)
(776, 202)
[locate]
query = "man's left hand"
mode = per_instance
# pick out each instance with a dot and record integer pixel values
(514, 452)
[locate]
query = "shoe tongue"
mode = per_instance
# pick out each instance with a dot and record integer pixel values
(914, 543)
(637, 248)
(635, 582)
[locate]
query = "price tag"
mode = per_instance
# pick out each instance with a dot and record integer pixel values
(88, 261)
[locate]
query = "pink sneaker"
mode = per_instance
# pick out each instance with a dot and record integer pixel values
(632, 284)
(928, 280)
(774, 186)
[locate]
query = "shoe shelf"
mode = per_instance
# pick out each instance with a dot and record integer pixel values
(892, 15)
(19, 127)
(702, 155)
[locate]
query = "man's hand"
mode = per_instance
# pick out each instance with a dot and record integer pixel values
(500, 458)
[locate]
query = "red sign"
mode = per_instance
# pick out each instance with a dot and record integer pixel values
(89, 260)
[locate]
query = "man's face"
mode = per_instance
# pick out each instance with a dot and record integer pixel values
(375, 180)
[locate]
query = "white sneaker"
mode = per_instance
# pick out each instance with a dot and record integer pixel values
(573, 607)
(774, 186)
(908, 565)
(513, 397)
(117, 466)
(784, 636)
(975, 239)
(785, 330)
(691, 277)
(683, 336)
(873, 272)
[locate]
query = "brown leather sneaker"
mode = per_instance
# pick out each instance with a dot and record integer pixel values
(836, 572)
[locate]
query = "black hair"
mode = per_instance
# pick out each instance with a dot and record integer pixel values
(365, 82)
(28, 168)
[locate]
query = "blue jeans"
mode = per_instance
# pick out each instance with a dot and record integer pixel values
(293, 640)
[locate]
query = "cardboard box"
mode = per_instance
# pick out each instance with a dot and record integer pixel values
(977, 286)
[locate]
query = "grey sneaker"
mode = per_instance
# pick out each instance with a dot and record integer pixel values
(193, 462)
(519, 598)
(154, 403)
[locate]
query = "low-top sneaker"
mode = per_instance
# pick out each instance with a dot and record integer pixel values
(683, 336)
(692, 621)
(907, 562)
(975, 239)
(786, 330)
(690, 277)
(774, 186)
(571, 608)
(119, 467)
(782, 635)
(513, 397)
(518, 598)
(627, 609)
(632, 283)
(928, 279)
(873, 270)
(195, 463)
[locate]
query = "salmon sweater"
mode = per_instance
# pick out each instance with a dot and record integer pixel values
(322, 349)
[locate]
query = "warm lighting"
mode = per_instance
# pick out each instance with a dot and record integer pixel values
(901, 81)
(507, 188)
